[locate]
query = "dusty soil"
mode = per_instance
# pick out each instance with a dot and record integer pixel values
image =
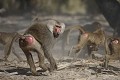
(68, 69)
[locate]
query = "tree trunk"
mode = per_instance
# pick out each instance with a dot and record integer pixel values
(111, 11)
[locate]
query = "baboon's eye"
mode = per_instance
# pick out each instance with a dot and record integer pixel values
(58, 26)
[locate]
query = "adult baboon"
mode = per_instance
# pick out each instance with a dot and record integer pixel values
(40, 38)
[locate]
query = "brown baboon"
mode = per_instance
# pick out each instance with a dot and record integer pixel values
(7, 40)
(91, 39)
(112, 50)
(40, 38)
(88, 27)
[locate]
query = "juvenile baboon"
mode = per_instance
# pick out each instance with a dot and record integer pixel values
(88, 27)
(7, 40)
(114, 47)
(65, 38)
(91, 39)
(112, 50)
(40, 38)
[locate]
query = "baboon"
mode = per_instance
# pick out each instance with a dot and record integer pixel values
(40, 38)
(112, 50)
(66, 35)
(88, 27)
(114, 47)
(7, 40)
(91, 39)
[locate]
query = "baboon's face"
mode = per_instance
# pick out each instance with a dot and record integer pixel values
(114, 44)
(115, 41)
(56, 27)
(56, 31)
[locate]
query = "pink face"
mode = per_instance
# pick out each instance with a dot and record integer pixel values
(56, 31)
(115, 41)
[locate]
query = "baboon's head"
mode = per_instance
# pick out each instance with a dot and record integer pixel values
(56, 27)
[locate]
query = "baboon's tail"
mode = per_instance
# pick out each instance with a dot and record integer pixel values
(77, 27)
(9, 44)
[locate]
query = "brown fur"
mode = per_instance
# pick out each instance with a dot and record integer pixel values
(91, 39)
(7, 40)
(45, 40)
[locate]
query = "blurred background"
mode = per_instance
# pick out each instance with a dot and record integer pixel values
(20, 12)
(69, 7)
